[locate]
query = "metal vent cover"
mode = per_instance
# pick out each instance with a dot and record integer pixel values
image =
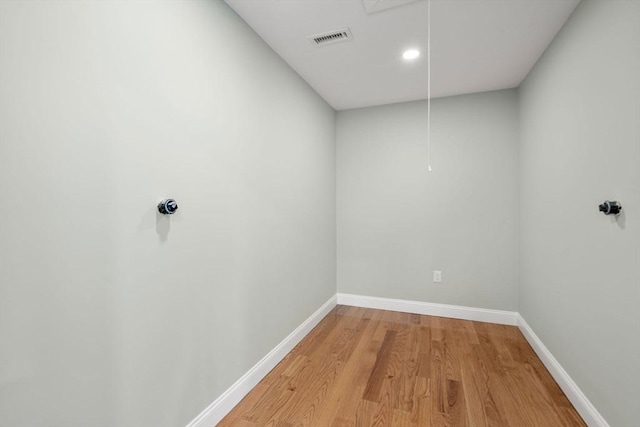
(337, 36)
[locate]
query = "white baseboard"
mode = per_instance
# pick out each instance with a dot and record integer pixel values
(215, 412)
(431, 309)
(587, 411)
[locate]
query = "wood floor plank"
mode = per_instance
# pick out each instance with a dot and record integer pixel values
(339, 404)
(378, 373)
(326, 368)
(365, 367)
(383, 415)
(404, 394)
(420, 413)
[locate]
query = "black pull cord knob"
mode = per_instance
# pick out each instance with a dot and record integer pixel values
(610, 208)
(167, 207)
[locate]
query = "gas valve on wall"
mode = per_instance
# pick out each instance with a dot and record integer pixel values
(168, 206)
(610, 208)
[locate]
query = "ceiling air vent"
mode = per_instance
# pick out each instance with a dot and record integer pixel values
(343, 35)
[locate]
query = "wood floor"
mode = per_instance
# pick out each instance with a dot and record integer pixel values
(364, 367)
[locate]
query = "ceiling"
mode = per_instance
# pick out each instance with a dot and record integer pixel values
(476, 45)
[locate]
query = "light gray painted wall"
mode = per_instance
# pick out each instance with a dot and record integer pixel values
(112, 315)
(397, 222)
(580, 270)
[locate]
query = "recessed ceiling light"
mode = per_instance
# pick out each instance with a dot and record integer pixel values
(411, 54)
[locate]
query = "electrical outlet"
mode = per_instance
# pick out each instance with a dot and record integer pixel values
(437, 276)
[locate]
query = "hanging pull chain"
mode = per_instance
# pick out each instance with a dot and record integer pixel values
(429, 85)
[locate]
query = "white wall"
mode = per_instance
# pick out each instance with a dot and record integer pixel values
(397, 222)
(112, 315)
(580, 270)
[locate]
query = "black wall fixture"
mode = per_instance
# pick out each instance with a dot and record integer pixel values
(168, 206)
(610, 208)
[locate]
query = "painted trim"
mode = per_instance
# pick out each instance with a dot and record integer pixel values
(585, 408)
(217, 410)
(220, 407)
(431, 309)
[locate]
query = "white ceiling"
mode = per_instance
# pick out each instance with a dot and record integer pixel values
(476, 45)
